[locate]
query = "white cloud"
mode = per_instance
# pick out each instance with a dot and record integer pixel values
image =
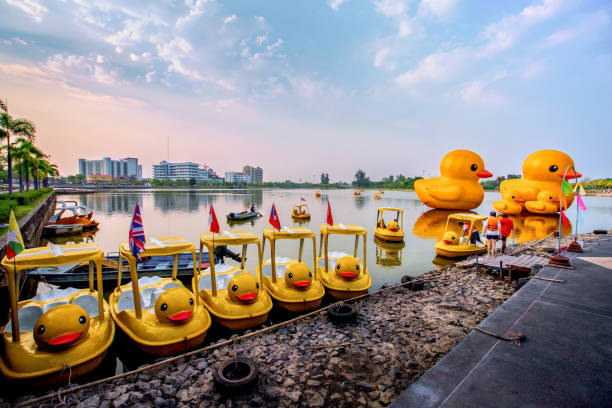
(100, 98)
(20, 41)
(149, 76)
(174, 52)
(64, 63)
(586, 28)
(261, 39)
(137, 57)
(381, 59)
(479, 92)
(133, 32)
(277, 44)
(259, 19)
(33, 8)
(534, 70)
(230, 19)
(25, 71)
(437, 8)
(335, 4)
(119, 50)
(406, 27)
(103, 76)
(391, 8)
(7, 42)
(195, 10)
(437, 67)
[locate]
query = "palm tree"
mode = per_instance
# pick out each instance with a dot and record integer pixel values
(47, 169)
(18, 127)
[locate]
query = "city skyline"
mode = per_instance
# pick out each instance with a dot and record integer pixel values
(388, 86)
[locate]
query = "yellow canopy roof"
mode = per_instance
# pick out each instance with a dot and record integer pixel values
(288, 233)
(159, 246)
(229, 238)
(390, 209)
(343, 229)
(54, 255)
(300, 205)
(467, 217)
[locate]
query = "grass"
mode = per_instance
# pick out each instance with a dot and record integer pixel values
(21, 203)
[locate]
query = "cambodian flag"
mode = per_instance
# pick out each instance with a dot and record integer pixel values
(302, 199)
(137, 236)
(212, 220)
(274, 221)
(330, 219)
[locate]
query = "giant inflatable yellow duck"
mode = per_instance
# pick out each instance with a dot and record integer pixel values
(458, 187)
(512, 202)
(542, 170)
(546, 203)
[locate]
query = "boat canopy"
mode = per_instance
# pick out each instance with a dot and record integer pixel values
(299, 206)
(343, 229)
(53, 255)
(211, 239)
(300, 233)
(467, 217)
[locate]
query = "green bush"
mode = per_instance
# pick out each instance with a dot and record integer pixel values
(5, 209)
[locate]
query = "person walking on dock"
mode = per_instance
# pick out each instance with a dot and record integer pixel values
(492, 228)
(507, 225)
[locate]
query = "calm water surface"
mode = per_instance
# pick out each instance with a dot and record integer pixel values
(184, 213)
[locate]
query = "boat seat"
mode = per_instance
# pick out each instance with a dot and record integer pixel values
(280, 270)
(89, 303)
(148, 296)
(221, 280)
(126, 301)
(27, 317)
(54, 294)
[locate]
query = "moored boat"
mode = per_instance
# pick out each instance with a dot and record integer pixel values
(393, 230)
(455, 243)
(60, 230)
(73, 214)
(300, 212)
(243, 215)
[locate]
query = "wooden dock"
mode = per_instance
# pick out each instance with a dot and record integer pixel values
(521, 262)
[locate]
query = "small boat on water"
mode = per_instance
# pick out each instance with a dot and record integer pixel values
(73, 214)
(300, 212)
(159, 314)
(59, 335)
(243, 215)
(317, 194)
(392, 230)
(61, 230)
(290, 282)
(344, 276)
(456, 244)
(233, 295)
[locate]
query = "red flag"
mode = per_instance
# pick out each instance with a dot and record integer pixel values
(212, 220)
(274, 221)
(566, 222)
(330, 219)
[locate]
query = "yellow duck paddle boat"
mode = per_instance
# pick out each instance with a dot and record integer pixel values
(300, 212)
(344, 276)
(159, 314)
(61, 334)
(317, 194)
(392, 231)
(293, 285)
(451, 245)
(377, 196)
(232, 294)
(356, 193)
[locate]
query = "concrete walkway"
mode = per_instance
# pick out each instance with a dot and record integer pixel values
(565, 360)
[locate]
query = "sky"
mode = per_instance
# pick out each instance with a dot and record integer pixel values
(303, 87)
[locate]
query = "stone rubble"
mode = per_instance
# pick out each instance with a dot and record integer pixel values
(400, 334)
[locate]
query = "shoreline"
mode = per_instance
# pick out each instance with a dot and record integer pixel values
(400, 334)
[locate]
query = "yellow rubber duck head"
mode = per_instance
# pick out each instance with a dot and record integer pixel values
(298, 276)
(546, 196)
(450, 238)
(348, 267)
(548, 165)
(513, 195)
(174, 305)
(61, 326)
(393, 226)
(243, 287)
(464, 165)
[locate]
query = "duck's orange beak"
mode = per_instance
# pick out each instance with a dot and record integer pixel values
(571, 174)
(519, 200)
(556, 200)
(247, 297)
(448, 241)
(348, 275)
(302, 285)
(484, 174)
(179, 317)
(64, 339)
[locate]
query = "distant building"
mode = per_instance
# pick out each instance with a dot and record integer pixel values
(124, 168)
(234, 177)
(183, 171)
(99, 178)
(255, 173)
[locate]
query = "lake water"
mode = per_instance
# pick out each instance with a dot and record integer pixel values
(184, 213)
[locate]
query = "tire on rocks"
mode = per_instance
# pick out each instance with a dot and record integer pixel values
(235, 375)
(342, 313)
(600, 232)
(410, 283)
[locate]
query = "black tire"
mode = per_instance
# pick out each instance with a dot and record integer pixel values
(600, 232)
(342, 313)
(236, 374)
(409, 283)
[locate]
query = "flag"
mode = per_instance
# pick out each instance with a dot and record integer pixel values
(580, 203)
(212, 220)
(274, 221)
(566, 222)
(302, 199)
(580, 189)
(565, 188)
(330, 219)
(137, 236)
(14, 240)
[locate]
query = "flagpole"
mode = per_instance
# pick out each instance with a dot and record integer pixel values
(561, 205)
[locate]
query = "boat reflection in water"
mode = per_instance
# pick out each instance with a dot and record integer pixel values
(440, 261)
(431, 224)
(530, 227)
(388, 254)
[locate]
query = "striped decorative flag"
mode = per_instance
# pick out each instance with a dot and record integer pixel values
(580, 203)
(137, 236)
(14, 240)
(565, 188)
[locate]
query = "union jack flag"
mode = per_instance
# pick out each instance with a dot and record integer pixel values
(137, 236)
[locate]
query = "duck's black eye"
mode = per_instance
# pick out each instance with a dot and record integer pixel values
(82, 320)
(235, 288)
(513, 196)
(310, 274)
(338, 267)
(357, 266)
(41, 329)
(474, 167)
(553, 168)
(163, 307)
(191, 302)
(290, 275)
(257, 285)
(550, 198)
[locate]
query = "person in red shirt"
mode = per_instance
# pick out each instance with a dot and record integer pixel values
(506, 229)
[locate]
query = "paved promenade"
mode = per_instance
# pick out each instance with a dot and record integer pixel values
(564, 361)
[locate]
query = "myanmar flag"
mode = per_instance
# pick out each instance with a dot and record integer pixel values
(14, 241)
